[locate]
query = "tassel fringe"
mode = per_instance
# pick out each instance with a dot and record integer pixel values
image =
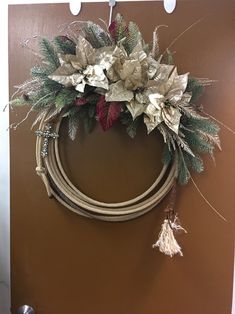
(166, 242)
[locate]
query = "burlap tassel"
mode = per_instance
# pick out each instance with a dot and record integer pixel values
(166, 242)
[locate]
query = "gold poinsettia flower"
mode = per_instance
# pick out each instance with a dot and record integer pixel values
(81, 69)
(160, 102)
(130, 69)
(128, 73)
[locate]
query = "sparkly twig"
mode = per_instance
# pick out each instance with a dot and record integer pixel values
(221, 123)
(181, 34)
(155, 49)
(206, 200)
(28, 113)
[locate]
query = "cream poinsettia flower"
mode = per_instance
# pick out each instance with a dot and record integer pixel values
(160, 102)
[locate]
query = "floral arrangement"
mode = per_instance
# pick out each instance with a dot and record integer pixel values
(113, 75)
(109, 75)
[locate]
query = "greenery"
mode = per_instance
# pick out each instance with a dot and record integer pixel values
(65, 45)
(197, 134)
(49, 53)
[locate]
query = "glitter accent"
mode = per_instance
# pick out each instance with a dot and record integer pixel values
(47, 134)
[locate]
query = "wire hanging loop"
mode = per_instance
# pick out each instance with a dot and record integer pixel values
(111, 5)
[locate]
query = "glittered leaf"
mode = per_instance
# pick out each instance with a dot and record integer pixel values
(112, 29)
(108, 112)
(73, 124)
(81, 101)
(132, 127)
(118, 28)
(170, 59)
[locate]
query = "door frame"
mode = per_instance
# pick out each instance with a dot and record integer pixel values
(5, 287)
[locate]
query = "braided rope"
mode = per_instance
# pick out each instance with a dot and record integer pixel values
(58, 185)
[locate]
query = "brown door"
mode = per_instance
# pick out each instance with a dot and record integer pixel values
(65, 264)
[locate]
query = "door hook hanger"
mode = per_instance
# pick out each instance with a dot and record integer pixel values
(111, 5)
(75, 6)
(169, 5)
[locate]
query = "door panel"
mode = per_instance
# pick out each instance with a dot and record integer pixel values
(63, 263)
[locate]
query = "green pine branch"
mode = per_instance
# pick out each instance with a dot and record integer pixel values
(132, 38)
(87, 115)
(121, 28)
(49, 53)
(195, 88)
(96, 35)
(65, 97)
(51, 86)
(131, 125)
(40, 72)
(198, 143)
(65, 45)
(182, 168)
(205, 125)
(167, 155)
(73, 124)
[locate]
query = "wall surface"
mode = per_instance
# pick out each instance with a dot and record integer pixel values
(63, 263)
(4, 169)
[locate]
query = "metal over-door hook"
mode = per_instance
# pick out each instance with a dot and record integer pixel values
(75, 6)
(111, 5)
(169, 5)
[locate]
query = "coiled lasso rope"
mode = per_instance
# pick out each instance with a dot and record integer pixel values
(58, 185)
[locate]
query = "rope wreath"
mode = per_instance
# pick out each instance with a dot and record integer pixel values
(59, 186)
(107, 75)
